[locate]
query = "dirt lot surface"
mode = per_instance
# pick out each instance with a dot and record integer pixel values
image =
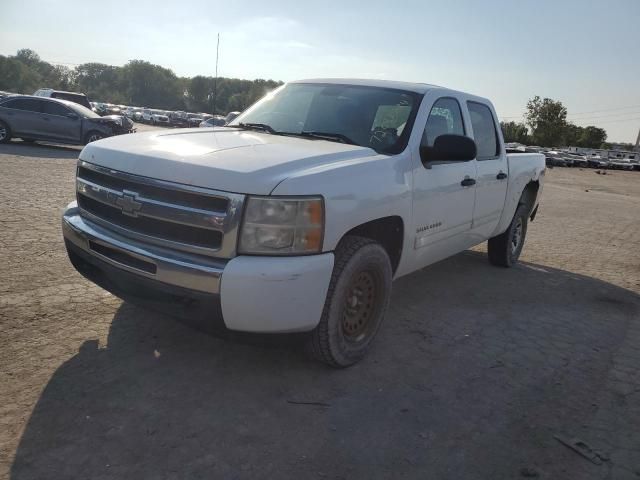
(476, 374)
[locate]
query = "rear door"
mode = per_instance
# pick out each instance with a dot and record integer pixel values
(59, 124)
(24, 118)
(444, 192)
(492, 175)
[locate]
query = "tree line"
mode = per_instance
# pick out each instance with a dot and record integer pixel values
(545, 124)
(138, 83)
(143, 84)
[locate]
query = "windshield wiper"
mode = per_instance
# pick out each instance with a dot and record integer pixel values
(334, 137)
(257, 126)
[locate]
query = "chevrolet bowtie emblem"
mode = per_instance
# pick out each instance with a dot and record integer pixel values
(128, 203)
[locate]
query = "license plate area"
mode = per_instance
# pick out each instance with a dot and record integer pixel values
(123, 258)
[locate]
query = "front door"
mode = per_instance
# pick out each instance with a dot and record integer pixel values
(444, 192)
(57, 123)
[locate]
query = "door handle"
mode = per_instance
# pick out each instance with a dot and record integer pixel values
(501, 176)
(467, 182)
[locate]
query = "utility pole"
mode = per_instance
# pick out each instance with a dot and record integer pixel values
(215, 80)
(637, 147)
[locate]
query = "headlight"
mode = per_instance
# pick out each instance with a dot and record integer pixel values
(282, 226)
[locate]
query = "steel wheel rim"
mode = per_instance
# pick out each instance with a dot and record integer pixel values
(3, 133)
(516, 238)
(360, 306)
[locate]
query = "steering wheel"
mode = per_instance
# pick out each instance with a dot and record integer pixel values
(381, 136)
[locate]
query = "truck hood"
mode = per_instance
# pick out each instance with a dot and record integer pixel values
(225, 159)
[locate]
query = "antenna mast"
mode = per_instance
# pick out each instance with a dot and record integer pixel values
(215, 80)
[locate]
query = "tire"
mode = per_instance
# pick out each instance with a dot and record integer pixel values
(5, 133)
(504, 250)
(92, 136)
(356, 303)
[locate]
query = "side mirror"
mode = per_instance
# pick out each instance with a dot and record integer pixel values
(449, 148)
(72, 116)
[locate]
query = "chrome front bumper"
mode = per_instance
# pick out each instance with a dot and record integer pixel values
(192, 272)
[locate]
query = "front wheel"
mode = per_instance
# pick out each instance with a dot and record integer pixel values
(92, 137)
(356, 303)
(504, 250)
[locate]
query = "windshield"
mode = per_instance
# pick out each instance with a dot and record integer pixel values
(375, 117)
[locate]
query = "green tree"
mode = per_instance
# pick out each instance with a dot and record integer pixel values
(138, 83)
(100, 81)
(515, 132)
(50, 76)
(547, 120)
(151, 85)
(17, 77)
(572, 135)
(592, 137)
(199, 92)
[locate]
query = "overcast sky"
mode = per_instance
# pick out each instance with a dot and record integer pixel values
(583, 52)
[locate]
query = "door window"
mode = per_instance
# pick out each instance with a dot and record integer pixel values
(484, 131)
(445, 118)
(27, 104)
(53, 108)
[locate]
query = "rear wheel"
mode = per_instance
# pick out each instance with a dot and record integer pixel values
(5, 132)
(92, 137)
(504, 250)
(357, 300)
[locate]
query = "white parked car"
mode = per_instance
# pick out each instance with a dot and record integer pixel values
(147, 115)
(159, 118)
(215, 121)
(298, 215)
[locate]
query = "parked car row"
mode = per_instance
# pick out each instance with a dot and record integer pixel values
(562, 158)
(177, 119)
(69, 117)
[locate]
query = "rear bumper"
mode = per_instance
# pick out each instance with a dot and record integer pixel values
(248, 294)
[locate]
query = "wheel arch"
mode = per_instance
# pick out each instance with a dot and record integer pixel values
(530, 195)
(387, 231)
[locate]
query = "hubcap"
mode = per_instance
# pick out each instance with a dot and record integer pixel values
(3, 133)
(93, 138)
(359, 307)
(517, 236)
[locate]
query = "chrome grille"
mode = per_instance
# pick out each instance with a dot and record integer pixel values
(172, 215)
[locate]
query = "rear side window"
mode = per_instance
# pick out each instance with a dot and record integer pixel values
(53, 108)
(445, 118)
(27, 104)
(484, 131)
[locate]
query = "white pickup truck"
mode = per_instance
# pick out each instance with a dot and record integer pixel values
(297, 216)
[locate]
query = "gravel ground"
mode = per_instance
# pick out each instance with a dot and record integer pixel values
(476, 372)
